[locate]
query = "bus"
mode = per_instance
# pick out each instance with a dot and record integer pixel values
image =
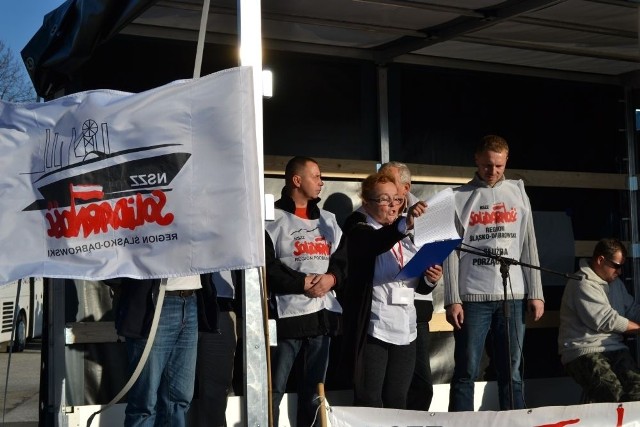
(25, 319)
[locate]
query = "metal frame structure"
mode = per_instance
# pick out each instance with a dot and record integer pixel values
(471, 28)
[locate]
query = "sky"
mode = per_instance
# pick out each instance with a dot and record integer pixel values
(20, 19)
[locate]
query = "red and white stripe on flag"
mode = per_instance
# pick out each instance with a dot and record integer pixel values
(86, 192)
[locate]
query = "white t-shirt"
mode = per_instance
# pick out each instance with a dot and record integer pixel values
(183, 283)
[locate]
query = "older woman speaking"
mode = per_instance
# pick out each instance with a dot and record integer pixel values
(378, 311)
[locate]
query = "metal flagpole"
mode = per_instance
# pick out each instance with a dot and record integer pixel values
(202, 34)
(255, 340)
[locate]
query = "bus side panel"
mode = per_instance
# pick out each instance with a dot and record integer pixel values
(35, 317)
(7, 306)
(31, 301)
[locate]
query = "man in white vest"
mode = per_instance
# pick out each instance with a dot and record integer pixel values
(496, 218)
(305, 261)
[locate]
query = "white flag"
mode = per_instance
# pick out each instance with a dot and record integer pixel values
(105, 184)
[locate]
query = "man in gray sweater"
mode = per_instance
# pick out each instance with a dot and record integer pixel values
(595, 314)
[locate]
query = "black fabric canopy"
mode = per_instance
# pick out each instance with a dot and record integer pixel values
(592, 40)
(70, 34)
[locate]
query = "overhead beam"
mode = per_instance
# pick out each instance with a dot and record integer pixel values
(410, 40)
(563, 25)
(440, 174)
(396, 3)
(590, 53)
(351, 25)
(164, 32)
(513, 69)
(632, 4)
(427, 6)
(298, 18)
(333, 23)
(459, 27)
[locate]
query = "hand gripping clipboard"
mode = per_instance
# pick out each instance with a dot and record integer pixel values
(428, 255)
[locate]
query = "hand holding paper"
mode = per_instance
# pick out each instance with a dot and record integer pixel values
(414, 212)
(435, 233)
(438, 222)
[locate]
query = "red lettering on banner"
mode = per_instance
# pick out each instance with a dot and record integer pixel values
(619, 421)
(620, 411)
(96, 218)
(498, 215)
(319, 247)
(561, 423)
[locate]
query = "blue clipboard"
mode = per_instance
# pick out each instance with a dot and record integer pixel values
(428, 255)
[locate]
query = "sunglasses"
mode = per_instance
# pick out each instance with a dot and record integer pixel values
(613, 264)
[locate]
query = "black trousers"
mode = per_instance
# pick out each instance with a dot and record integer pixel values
(421, 389)
(388, 370)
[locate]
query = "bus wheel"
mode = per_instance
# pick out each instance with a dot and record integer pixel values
(20, 339)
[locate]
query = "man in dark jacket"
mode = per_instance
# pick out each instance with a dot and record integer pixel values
(304, 262)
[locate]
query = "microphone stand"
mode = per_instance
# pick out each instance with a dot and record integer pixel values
(505, 263)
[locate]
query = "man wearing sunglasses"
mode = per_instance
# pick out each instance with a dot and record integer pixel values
(595, 314)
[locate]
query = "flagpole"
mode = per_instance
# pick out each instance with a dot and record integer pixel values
(202, 34)
(256, 340)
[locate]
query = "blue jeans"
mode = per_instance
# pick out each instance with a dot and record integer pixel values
(162, 394)
(316, 360)
(479, 318)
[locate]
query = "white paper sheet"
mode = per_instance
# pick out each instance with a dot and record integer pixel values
(438, 222)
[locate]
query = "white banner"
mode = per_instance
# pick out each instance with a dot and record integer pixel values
(105, 184)
(593, 415)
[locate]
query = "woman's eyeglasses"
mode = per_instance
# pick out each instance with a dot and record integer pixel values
(385, 200)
